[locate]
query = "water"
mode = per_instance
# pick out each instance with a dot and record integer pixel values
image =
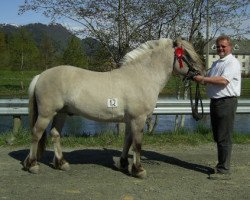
(79, 125)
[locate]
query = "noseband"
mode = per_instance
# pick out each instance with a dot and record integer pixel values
(179, 55)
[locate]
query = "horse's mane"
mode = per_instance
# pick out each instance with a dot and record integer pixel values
(148, 46)
(145, 48)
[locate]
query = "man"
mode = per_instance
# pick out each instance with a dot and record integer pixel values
(223, 87)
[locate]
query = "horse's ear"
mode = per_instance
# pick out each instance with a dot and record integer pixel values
(178, 42)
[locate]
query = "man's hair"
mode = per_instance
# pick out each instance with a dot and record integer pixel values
(224, 37)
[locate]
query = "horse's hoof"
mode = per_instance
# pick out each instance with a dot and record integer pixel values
(30, 165)
(138, 172)
(34, 169)
(142, 174)
(65, 166)
(61, 164)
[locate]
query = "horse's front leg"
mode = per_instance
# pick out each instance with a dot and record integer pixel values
(137, 135)
(126, 146)
(59, 162)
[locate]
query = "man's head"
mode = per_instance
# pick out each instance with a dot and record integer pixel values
(223, 45)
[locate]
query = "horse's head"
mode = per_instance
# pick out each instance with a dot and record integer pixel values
(186, 60)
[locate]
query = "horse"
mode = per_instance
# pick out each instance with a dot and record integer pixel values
(124, 95)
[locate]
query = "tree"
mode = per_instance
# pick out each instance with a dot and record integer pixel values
(74, 54)
(23, 50)
(2, 41)
(121, 25)
(222, 15)
(48, 52)
(4, 51)
(118, 25)
(98, 56)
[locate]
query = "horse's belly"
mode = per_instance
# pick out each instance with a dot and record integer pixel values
(106, 118)
(93, 113)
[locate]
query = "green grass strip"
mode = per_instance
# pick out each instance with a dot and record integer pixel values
(106, 139)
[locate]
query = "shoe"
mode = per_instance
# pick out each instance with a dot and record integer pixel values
(221, 170)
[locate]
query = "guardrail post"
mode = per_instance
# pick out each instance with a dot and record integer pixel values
(120, 128)
(17, 123)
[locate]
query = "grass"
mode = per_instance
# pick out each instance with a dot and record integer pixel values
(10, 83)
(109, 139)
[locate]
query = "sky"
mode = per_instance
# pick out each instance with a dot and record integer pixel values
(9, 14)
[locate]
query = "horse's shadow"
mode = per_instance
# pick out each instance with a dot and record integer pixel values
(102, 157)
(105, 157)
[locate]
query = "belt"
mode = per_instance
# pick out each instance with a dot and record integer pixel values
(227, 97)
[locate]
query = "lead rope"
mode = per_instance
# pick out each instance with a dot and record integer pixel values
(194, 106)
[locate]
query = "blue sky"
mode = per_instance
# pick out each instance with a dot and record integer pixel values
(9, 14)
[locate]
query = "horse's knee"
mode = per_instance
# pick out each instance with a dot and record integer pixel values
(137, 146)
(36, 137)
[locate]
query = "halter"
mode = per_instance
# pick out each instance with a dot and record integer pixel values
(179, 55)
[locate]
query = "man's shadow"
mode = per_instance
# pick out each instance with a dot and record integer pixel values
(152, 155)
(105, 157)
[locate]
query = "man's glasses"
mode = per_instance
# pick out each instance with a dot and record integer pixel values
(222, 46)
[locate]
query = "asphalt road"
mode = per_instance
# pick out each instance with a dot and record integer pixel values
(179, 172)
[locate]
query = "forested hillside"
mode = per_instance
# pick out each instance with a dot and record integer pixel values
(39, 46)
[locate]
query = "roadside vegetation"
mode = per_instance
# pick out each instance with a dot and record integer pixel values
(181, 137)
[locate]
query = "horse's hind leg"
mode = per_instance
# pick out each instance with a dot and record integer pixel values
(56, 128)
(137, 126)
(30, 163)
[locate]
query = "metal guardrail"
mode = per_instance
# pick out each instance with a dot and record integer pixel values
(14, 106)
(163, 107)
(174, 107)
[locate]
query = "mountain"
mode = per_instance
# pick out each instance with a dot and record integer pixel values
(56, 32)
(59, 34)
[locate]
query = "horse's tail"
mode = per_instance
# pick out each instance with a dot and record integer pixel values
(33, 115)
(33, 112)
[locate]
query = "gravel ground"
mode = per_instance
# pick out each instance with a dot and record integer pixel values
(179, 172)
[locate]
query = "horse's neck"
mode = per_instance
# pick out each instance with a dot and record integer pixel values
(154, 70)
(160, 69)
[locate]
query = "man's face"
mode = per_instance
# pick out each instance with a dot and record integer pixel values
(223, 48)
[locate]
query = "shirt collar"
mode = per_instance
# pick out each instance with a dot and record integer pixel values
(225, 58)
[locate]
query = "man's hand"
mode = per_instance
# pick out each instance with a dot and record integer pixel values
(199, 79)
(191, 74)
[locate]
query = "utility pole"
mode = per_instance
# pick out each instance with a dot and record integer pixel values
(207, 36)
